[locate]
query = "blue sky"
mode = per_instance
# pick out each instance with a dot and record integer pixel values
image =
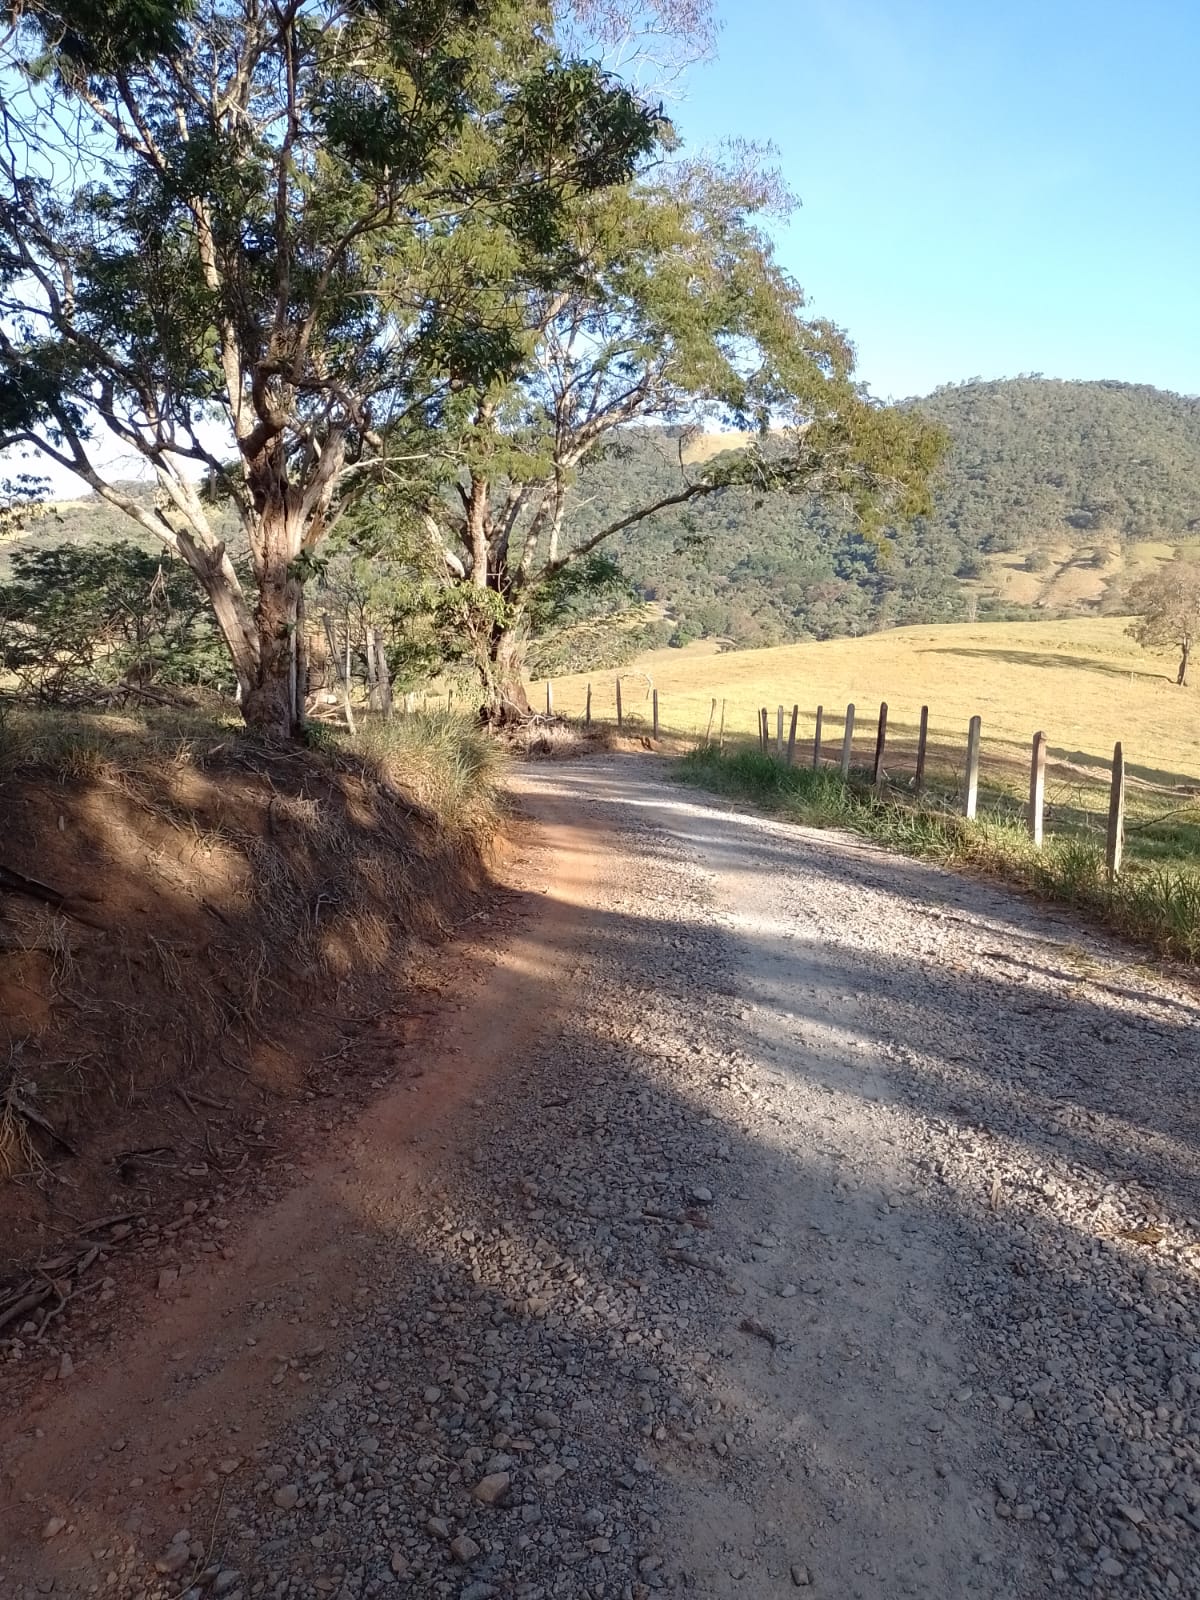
(986, 189)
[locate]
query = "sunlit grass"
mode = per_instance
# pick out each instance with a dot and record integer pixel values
(1157, 905)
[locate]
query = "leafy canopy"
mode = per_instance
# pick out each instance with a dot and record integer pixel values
(1167, 605)
(272, 243)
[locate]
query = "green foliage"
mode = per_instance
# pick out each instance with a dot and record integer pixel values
(75, 622)
(1030, 462)
(1166, 604)
(586, 616)
(1033, 460)
(756, 568)
(283, 254)
(675, 307)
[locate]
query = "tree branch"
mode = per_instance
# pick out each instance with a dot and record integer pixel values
(692, 491)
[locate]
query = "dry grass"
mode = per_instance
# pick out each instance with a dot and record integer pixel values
(220, 889)
(1081, 680)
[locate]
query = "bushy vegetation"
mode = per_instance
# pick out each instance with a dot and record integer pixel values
(1034, 459)
(81, 623)
(1157, 905)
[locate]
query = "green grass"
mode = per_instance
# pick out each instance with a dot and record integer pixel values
(1157, 905)
(444, 760)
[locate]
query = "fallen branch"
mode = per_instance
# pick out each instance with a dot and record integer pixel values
(36, 1120)
(17, 883)
(28, 1301)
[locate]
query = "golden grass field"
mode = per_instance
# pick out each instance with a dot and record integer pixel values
(1081, 680)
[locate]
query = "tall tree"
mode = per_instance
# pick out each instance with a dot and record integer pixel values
(260, 244)
(1166, 604)
(675, 311)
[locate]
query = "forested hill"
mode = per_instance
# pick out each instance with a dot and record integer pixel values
(1052, 495)
(1033, 460)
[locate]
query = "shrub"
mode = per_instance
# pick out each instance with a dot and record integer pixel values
(75, 621)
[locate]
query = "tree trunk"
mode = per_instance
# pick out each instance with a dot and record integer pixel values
(502, 671)
(271, 705)
(1185, 650)
(384, 676)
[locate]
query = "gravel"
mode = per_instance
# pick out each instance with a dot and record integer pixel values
(845, 1237)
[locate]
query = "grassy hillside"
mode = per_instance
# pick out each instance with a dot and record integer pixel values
(1082, 681)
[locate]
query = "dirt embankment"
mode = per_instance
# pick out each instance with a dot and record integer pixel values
(198, 942)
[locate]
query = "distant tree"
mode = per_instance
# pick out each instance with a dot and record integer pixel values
(260, 247)
(1167, 604)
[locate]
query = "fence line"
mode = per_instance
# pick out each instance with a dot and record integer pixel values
(1035, 809)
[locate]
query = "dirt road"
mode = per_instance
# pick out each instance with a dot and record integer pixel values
(772, 1214)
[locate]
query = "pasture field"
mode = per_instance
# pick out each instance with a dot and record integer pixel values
(1083, 681)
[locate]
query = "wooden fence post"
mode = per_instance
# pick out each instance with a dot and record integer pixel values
(762, 729)
(848, 741)
(880, 747)
(1037, 789)
(791, 755)
(587, 709)
(779, 733)
(721, 735)
(817, 738)
(971, 798)
(656, 713)
(372, 676)
(619, 714)
(922, 746)
(549, 698)
(712, 711)
(1116, 815)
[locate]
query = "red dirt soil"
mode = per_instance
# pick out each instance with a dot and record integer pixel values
(135, 1441)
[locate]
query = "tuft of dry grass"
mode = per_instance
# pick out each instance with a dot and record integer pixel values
(443, 762)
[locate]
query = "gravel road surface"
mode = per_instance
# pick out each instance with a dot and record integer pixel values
(813, 1220)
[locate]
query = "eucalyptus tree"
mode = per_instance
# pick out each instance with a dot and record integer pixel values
(675, 312)
(261, 244)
